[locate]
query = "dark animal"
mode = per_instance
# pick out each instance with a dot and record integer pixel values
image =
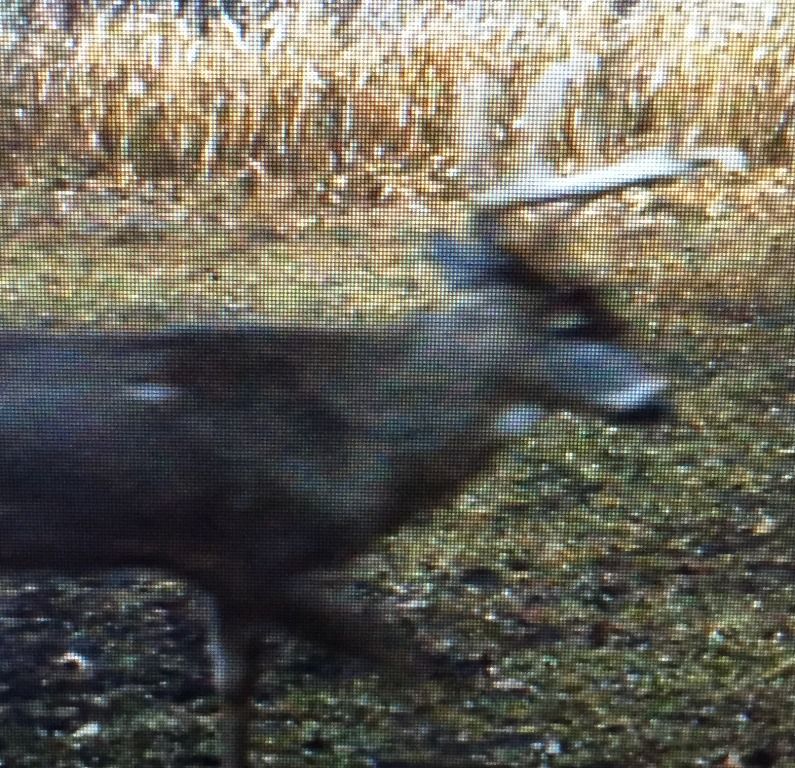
(248, 459)
(245, 459)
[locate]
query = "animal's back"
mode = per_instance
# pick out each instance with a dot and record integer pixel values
(275, 449)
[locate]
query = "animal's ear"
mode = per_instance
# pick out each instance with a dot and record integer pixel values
(474, 264)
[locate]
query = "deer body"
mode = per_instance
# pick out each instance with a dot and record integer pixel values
(247, 459)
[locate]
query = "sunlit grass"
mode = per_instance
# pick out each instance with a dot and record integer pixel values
(348, 103)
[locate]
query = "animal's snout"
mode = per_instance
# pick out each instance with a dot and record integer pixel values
(643, 400)
(655, 409)
(606, 379)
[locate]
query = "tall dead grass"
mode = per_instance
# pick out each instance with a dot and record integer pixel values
(360, 102)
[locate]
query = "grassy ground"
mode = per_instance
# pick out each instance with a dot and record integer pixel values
(604, 597)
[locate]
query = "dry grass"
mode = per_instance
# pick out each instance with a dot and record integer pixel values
(361, 105)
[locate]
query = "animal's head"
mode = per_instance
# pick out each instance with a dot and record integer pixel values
(549, 342)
